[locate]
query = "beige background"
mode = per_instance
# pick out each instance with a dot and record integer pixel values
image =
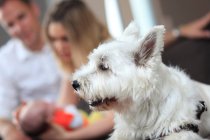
(171, 13)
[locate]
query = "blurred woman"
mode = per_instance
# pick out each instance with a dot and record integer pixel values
(73, 32)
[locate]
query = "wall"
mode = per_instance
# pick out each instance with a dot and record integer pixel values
(174, 13)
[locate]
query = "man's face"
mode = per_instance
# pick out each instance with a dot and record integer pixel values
(21, 21)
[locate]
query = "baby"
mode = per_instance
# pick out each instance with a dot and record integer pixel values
(35, 116)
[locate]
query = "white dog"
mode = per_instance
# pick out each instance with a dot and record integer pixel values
(151, 101)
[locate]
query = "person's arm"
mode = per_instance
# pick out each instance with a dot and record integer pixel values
(67, 95)
(97, 129)
(8, 131)
(92, 131)
(192, 30)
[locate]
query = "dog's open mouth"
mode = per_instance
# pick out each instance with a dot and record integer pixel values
(100, 102)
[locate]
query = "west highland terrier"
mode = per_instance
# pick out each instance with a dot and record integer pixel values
(151, 100)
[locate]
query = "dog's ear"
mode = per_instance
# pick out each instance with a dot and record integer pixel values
(131, 33)
(151, 45)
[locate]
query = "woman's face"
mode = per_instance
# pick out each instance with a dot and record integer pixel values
(60, 41)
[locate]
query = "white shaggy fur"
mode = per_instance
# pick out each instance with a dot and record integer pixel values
(149, 98)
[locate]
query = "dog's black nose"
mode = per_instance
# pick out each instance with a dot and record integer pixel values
(75, 84)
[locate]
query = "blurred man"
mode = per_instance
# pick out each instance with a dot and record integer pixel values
(27, 69)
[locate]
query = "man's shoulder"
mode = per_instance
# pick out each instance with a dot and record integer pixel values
(7, 55)
(9, 47)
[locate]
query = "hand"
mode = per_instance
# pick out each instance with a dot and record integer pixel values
(16, 114)
(14, 134)
(195, 29)
(55, 132)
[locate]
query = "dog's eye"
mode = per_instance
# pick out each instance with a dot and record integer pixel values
(103, 67)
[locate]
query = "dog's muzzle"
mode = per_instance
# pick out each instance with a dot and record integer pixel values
(75, 85)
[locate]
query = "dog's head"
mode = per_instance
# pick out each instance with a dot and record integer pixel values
(121, 71)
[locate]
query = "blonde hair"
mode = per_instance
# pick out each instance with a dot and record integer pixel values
(85, 30)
